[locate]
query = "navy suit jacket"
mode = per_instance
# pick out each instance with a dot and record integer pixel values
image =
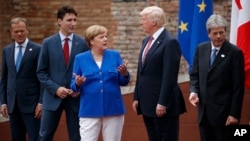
(22, 87)
(220, 88)
(157, 78)
(53, 72)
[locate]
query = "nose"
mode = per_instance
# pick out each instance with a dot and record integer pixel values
(73, 22)
(106, 38)
(19, 32)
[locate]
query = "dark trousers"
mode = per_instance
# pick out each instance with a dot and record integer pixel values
(22, 123)
(162, 129)
(50, 121)
(212, 133)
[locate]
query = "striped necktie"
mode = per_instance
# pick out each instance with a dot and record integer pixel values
(147, 48)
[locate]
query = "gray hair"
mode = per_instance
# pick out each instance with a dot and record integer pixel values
(155, 14)
(17, 20)
(215, 20)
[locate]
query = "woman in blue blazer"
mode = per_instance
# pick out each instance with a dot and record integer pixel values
(98, 75)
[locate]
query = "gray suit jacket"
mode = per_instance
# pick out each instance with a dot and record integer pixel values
(20, 87)
(53, 72)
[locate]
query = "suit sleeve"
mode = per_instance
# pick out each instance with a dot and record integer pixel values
(43, 70)
(194, 73)
(171, 62)
(3, 83)
(238, 85)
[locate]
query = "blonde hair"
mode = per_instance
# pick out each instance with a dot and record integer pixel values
(156, 14)
(92, 31)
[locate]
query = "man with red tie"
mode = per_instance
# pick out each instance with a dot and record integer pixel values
(55, 72)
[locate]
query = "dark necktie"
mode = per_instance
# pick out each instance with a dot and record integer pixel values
(19, 58)
(213, 55)
(66, 50)
(147, 49)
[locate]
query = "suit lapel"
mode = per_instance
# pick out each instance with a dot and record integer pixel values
(73, 49)
(58, 47)
(220, 56)
(206, 56)
(12, 57)
(142, 49)
(27, 53)
(154, 46)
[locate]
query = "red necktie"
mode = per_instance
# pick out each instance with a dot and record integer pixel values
(147, 49)
(66, 50)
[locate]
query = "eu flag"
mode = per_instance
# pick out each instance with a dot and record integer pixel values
(193, 15)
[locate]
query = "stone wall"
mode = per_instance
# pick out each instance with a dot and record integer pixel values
(121, 19)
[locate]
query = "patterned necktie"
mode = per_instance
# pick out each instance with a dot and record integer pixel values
(147, 49)
(19, 58)
(66, 50)
(213, 55)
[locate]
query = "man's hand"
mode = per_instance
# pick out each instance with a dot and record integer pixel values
(4, 111)
(193, 99)
(160, 110)
(38, 111)
(232, 121)
(63, 92)
(135, 105)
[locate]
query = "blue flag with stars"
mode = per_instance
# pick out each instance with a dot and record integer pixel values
(193, 15)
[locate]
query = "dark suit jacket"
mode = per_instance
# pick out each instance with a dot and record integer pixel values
(53, 72)
(220, 88)
(21, 87)
(157, 79)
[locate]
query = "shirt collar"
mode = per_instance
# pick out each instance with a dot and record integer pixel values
(157, 33)
(213, 47)
(24, 44)
(63, 37)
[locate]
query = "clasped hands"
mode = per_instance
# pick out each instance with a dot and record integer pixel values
(63, 92)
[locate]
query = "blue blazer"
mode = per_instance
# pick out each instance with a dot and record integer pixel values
(22, 87)
(53, 72)
(100, 94)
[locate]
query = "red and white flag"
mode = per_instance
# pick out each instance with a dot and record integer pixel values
(240, 32)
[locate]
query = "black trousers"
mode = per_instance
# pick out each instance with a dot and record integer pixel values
(209, 132)
(22, 123)
(162, 129)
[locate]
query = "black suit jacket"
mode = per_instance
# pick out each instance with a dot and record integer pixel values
(220, 88)
(22, 87)
(157, 78)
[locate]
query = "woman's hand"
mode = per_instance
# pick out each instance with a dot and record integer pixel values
(123, 69)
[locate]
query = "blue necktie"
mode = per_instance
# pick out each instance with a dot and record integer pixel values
(213, 55)
(19, 58)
